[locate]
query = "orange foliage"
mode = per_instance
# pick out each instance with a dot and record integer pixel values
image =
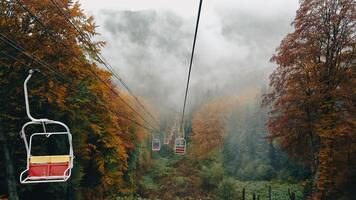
(102, 139)
(208, 125)
(312, 116)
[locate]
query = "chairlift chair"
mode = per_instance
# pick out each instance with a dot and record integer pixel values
(180, 146)
(156, 145)
(45, 168)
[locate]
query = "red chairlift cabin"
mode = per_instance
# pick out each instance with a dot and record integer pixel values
(180, 146)
(156, 145)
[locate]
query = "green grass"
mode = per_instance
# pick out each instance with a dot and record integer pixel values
(279, 190)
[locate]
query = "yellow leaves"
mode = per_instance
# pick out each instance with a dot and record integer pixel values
(208, 125)
(101, 165)
(61, 94)
(142, 134)
(96, 129)
(102, 139)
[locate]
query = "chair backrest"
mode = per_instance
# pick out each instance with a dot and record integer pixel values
(50, 159)
(180, 146)
(156, 145)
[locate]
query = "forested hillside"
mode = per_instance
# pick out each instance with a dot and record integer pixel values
(287, 137)
(227, 151)
(104, 139)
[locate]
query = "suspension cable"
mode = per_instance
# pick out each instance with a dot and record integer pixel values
(102, 59)
(191, 63)
(45, 65)
(82, 95)
(90, 46)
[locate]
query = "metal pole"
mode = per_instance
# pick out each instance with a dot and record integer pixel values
(26, 97)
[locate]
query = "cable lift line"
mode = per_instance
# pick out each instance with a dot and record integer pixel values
(47, 67)
(23, 51)
(87, 41)
(45, 168)
(191, 63)
(180, 144)
(84, 96)
(99, 57)
(19, 48)
(57, 168)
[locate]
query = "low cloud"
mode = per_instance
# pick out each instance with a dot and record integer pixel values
(151, 51)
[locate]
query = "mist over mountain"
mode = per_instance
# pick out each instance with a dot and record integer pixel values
(151, 51)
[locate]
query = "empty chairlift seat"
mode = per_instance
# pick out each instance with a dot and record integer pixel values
(48, 167)
(180, 146)
(156, 145)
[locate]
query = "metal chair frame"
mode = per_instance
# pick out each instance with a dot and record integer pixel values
(180, 143)
(28, 144)
(156, 141)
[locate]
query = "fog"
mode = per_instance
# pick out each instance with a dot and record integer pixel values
(149, 45)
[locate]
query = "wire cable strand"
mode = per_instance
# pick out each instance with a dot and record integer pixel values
(99, 57)
(83, 95)
(90, 46)
(45, 65)
(191, 63)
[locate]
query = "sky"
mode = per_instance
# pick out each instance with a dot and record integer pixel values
(149, 44)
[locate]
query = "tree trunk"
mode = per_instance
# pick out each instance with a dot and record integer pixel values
(324, 176)
(10, 178)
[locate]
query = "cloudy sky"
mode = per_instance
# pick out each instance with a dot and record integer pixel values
(149, 44)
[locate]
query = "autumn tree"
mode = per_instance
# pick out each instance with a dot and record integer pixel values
(80, 96)
(313, 94)
(208, 125)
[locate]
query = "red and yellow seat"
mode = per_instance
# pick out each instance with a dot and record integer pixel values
(179, 149)
(48, 166)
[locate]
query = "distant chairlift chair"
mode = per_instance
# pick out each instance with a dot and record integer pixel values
(45, 168)
(156, 145)
(180, 146)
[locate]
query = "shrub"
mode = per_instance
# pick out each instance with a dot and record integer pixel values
(147, 183)
(211, 176)
(228, 189)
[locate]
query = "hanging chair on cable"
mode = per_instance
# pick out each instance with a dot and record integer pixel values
(156, 145)
(180, 143)
(45, 168)
(180, 146)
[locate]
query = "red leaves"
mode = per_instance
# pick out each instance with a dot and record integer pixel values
(311, 90)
